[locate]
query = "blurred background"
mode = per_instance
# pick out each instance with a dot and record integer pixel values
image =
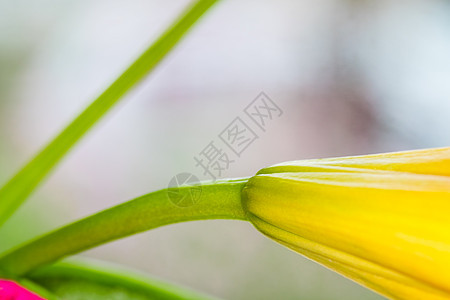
(351, 77)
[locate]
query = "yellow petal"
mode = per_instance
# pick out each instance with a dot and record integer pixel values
(388, 230)
(426, 161)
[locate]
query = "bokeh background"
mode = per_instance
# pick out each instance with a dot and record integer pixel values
(352, 77)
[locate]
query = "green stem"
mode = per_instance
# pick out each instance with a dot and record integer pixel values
(218, 200)
(15, 191)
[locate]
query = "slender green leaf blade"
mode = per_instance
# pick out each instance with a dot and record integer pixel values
(15, 191)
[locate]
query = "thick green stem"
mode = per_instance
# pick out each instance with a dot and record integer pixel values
(15, 191)
(217, 200)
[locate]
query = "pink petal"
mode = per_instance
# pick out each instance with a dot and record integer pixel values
(9, 290)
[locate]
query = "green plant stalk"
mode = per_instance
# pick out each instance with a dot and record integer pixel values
(15, 191)
(218, 200)
(110, 275)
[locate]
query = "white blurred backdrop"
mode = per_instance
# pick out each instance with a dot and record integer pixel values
(352, 77)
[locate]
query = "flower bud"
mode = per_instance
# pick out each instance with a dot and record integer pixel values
(381, 220)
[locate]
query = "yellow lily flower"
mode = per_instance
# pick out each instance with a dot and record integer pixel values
(382, 220)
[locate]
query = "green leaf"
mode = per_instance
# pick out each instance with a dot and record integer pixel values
(88, 279)
(15, 191)
(217, 200)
